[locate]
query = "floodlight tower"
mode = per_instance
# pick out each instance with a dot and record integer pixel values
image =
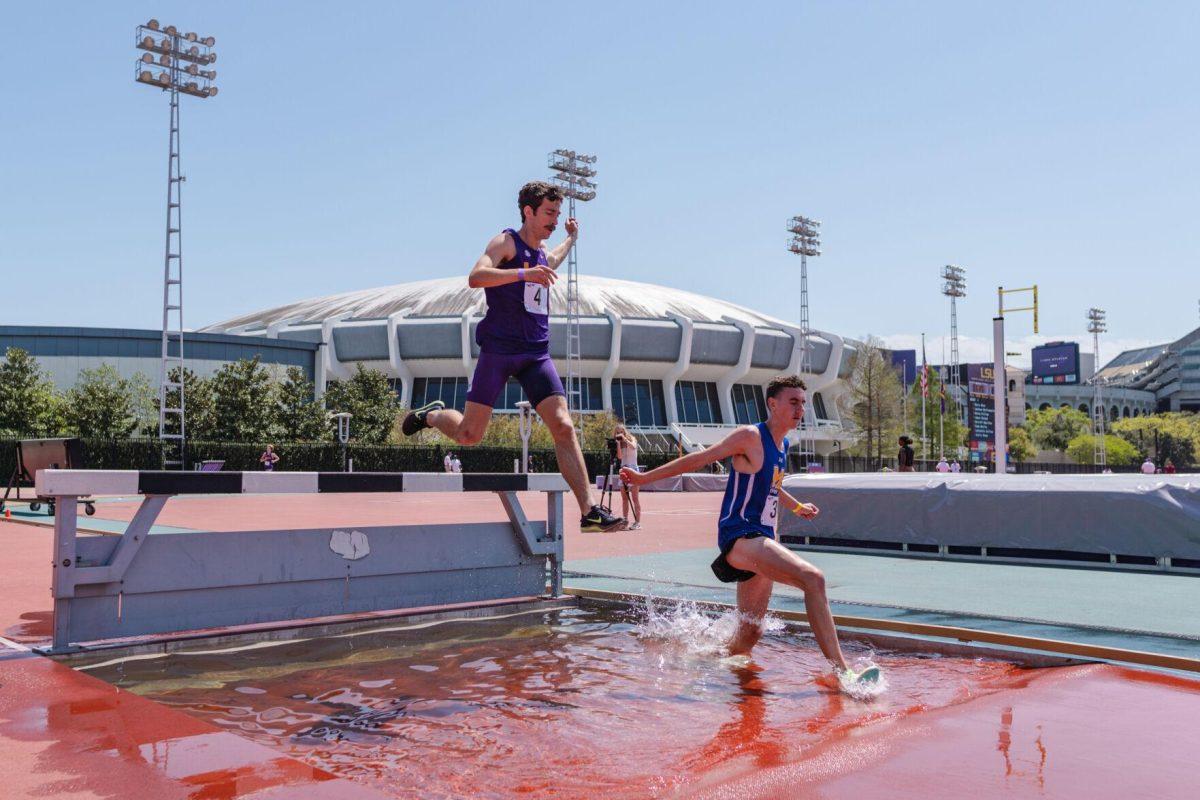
(1097, 324)
(573, 173)
(805, 242)
(173, 62)
(954, 287)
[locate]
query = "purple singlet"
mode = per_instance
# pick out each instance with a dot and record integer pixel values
(518, 314)
(514, 336)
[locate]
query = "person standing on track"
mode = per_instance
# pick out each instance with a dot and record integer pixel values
(516, 273)
(750, 556)
(627, 451)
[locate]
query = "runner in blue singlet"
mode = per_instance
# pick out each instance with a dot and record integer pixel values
(516, 273)
(749, 555)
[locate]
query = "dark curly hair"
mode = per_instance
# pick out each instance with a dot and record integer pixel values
(533, 193)
(781, 382)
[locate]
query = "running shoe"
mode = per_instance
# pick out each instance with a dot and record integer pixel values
(415, 421)
(869, 675)
(637, 526)
(600, 518)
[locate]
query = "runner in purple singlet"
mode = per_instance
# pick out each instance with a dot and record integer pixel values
(516, 273)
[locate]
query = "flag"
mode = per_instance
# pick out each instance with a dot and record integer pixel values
(942, 395)
(924, 371)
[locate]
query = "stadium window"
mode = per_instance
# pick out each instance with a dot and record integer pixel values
(451, 391)
(749, 405)
(638, 402)
(697, 402)
(819, 406)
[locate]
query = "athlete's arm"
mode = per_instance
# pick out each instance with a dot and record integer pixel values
(739, 442)
(559, 254)
(487, 273)
(806, 510)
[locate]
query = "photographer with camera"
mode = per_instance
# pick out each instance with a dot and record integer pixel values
(627, 454)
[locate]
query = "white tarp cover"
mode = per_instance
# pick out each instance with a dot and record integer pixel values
(1145, 515)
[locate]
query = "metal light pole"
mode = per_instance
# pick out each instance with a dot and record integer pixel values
(573, 174)
(954, 287)
(172, 62)
(999, 378)
(805, 242)
(342, 420)
(1097, 324)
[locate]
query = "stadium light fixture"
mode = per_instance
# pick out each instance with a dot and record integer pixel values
(805, 242)
(572, 174)
(176, 63)
(954, 286)
(1097, 324)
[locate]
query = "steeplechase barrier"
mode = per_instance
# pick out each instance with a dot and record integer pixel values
(138, 584)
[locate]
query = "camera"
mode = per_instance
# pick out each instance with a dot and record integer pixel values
(612, 447)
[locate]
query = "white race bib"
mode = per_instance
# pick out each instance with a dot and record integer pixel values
(770, 510)
(537, 298)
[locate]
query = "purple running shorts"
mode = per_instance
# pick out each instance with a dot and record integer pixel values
(535, 372)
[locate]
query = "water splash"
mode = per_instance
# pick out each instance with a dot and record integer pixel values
(704, 633)
(696, 630)
(863, 690)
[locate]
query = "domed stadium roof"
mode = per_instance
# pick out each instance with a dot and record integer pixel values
(443, 297)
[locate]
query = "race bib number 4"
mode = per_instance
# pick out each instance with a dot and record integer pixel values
(537, 298)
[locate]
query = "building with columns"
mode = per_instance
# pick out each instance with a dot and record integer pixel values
(674, 365)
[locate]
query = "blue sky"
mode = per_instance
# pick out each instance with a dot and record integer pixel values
(365, 144)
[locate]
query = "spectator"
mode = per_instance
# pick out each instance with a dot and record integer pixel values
(446, 461)
(455, 465)
(956, 467)
(942, 465)
(905, 458)
(1170, 467)
(1148, 466)
(627, 451)
(269, 458)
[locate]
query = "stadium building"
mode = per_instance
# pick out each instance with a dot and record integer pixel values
(674, 365)
(1168, 373)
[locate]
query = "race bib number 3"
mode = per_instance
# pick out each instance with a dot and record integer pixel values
(770, 511)
(537, 298)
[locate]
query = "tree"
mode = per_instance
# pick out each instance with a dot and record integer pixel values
(370, 399)
(144, 405)
(1170, 435)
(29, 403)
(101, 404)
(1055, 428)
(874, 400)
(198, 406)
(300, 417)
(1119, 453)
(244, 404)
(1020, 445)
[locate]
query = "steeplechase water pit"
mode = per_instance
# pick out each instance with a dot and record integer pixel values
(514, 691)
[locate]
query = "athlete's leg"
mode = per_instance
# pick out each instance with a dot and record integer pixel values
(767, 558)
(491, 373)
(466, 428)
(553, 411)
(752, 599)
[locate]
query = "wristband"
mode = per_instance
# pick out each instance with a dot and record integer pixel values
(798, 506)
(520, 273)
